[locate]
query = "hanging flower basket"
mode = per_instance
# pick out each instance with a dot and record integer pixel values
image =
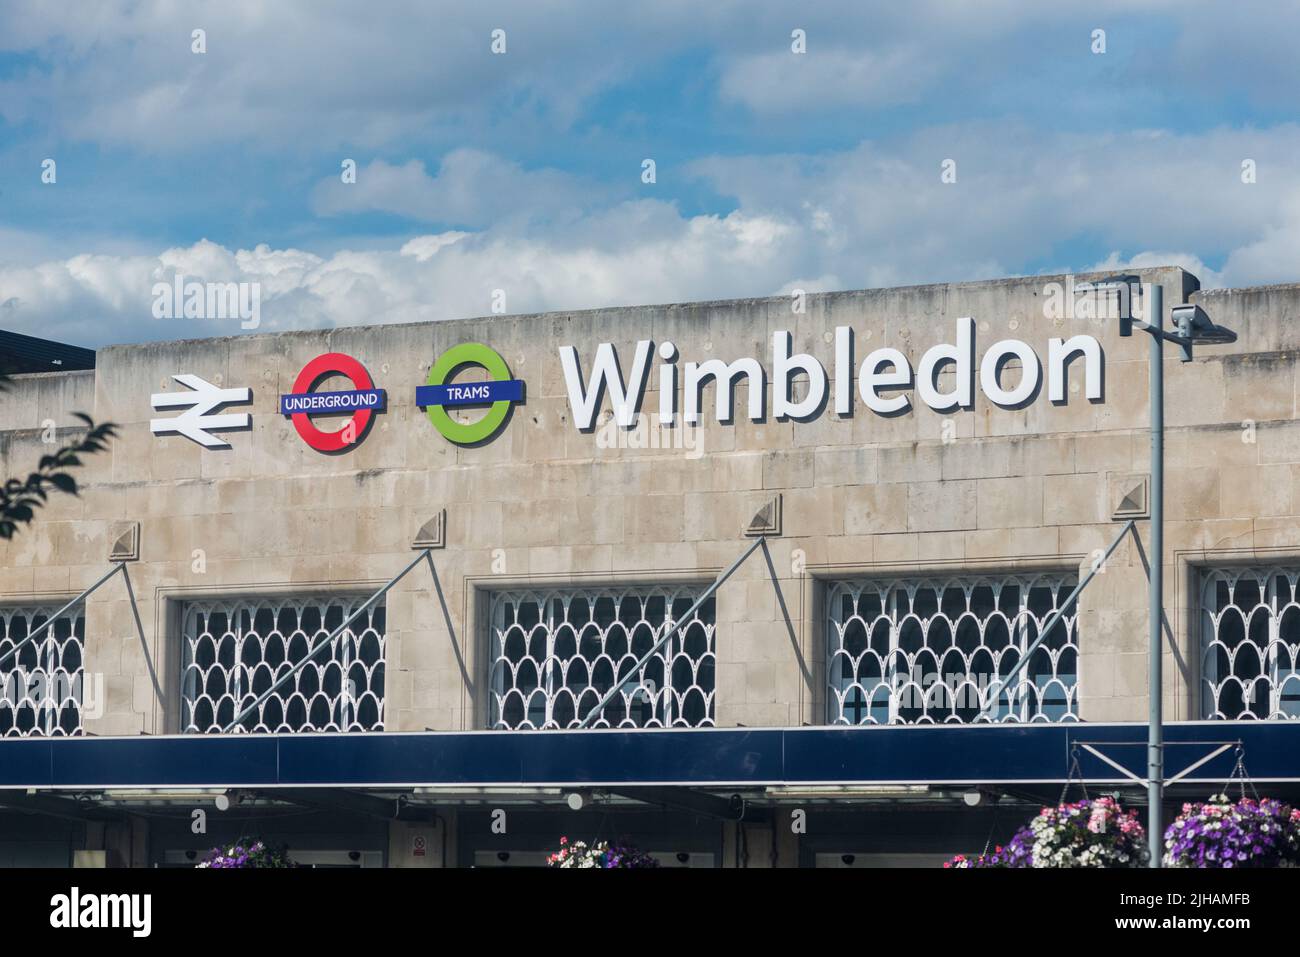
(1249, 833)
(246, 853)
(1089, 833)
(996, 858)
(601, 855)
(1094, 832)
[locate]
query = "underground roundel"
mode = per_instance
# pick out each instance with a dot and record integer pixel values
(363, 401)
(499, 392)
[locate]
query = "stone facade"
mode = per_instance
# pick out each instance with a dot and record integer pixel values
(544, 503)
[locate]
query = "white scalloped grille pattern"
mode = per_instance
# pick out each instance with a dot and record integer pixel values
(927, 650)
(235, 649)
(40, 687)
(1250, 643)
(555, 654)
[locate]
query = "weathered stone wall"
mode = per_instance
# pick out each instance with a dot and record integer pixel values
(544, 503)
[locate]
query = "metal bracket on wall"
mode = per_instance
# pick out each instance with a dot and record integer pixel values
(135, 611)
(997, 687)
(685, 619)
(324, 643)
(139, 630)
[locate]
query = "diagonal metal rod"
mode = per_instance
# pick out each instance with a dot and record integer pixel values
(1219, 748)
(677, 626)
(1115, 764)
(49, 622)
(1003, 683)
(144, 645)
(325, 642)
(1205, 760)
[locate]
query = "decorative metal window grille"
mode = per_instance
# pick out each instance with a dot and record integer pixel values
(1250, 641)
(41, 686)
(928, 651)
(234, 650)
(555, 654)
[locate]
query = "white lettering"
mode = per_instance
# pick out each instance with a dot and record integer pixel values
(871, 380)
(962, 356)
(843, 370)
(75, 910)
(885, 370)
(1059, 353)
(783, 364)
(1030, 372)
(724, 376)
(605, 374)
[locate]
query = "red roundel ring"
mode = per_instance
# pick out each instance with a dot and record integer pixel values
(331, 363)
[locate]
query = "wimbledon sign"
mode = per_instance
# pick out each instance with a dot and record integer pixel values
(801, 387)
(884, 370)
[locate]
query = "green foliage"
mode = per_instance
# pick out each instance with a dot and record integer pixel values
(19, 499)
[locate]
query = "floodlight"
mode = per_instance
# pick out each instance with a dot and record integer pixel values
(1194, 324)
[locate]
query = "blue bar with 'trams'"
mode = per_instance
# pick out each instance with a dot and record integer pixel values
(470, 393)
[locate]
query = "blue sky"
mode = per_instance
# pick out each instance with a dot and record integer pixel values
(521, 171)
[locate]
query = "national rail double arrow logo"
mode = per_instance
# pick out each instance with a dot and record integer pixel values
(196, 422)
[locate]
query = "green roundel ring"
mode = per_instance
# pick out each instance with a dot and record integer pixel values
(471, 353)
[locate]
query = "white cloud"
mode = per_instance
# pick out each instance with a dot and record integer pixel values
(95, 300)
(423, 248)
(780, 81)
(1271, 258)
(880, 215)
(121, 72)
(472, 188)
(1210, 278)
(874, 215)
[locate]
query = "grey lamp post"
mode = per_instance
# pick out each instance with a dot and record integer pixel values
(1193, 326)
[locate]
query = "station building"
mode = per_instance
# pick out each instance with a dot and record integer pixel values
(437, 594)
